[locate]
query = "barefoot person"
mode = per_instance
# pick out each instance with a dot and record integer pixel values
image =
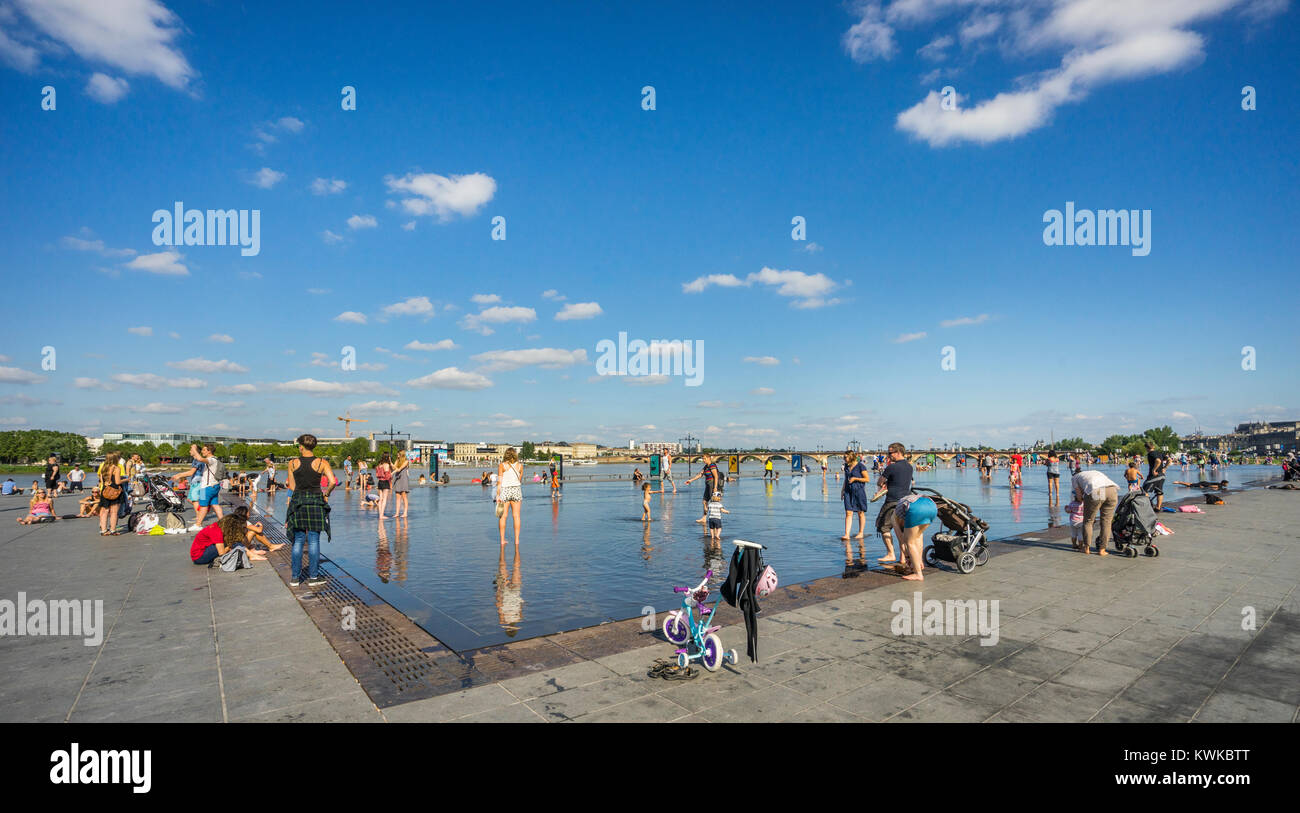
(1098, 493)
(912, 516)
(1053, 478)
(710, 474)
(510, 492)
(112, 493)
(401, 486)
(309, 513)
(645, 501)
(854, 495)
(896, 480)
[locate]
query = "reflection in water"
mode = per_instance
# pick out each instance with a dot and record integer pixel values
(401, 548)
(1016, 496)
(1053, 515)
(646, 548)
(713, 560)
(383, 556)
(510, 595)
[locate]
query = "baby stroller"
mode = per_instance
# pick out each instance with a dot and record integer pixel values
(964, 543)
(1134, 524)
(158, 494)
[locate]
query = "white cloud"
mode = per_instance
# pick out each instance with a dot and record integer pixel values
(236, 389)
(354, 317)
(408, 226)
(152, 381)
(870, 38)
(91, 384)
(965, 320)
(644, 380)
(936, 50)
(106, 89)
(698, 285)
(383, 408)
(331, 238)
(201, 365)
(78, 244)
(140, 331)
(328, 186)
(451, 378)
(445, 344)
(166, 263)
(549, 358)
(16, 375)
(362, 222)
(13, 421)
(807, 290)
(762, 391)
(579, 310)
(766, 361)
(311, 386)
(497, 316)
(551, 293)
(411, 306)
(155, 408)
(290, 123)
(903, 338)
(485, 299)
(812, 248)
(134, 36)
(265, 178)
(1101, 42)
(445, 197)
(222, 338)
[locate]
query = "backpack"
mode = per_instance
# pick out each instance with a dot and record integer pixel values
(219, 470)
(142, 522)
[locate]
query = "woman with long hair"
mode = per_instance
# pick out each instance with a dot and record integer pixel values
(384, 477)
(509, 493)
(401, 486)
(111, 482)
(309, 511)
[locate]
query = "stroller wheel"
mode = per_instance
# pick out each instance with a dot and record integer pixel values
(966, 562)
(929, 555)
(1152, 550)
(1130, 552)
(981, 556)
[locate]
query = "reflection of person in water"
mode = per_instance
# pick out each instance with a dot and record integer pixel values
(1219, 486)
(510, 597)
(383, 557)
(646, 548)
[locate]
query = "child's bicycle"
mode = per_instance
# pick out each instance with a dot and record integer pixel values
(688, 626)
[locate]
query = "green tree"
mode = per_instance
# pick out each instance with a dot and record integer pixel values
(528, 451)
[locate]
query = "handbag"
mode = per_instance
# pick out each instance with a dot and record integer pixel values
(110, 491)
(500, 509)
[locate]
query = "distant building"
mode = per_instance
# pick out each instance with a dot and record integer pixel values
(177, 439)
(1256, 438)
(661, 447)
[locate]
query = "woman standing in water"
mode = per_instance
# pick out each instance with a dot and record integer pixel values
(384, 479)
(1053, 478)
(509, 493)
(854, 494)
(401, 486)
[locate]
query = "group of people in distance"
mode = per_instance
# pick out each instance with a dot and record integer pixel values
(903, 516)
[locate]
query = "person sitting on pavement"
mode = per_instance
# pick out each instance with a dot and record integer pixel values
(40, 509)
(220, 538)
(89, 506)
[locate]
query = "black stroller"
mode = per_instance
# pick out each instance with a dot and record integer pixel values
(157, 494)
(964, 542)
(1134, 525)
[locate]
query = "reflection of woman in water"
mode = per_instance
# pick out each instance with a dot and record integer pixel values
(510, 596)
(383, 557)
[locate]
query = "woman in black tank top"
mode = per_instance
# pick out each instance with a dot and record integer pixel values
(304, 476)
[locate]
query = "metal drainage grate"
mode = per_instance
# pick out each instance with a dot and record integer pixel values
(394, 654)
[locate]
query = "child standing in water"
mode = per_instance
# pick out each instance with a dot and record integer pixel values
(1134, 476)
(645, 501)
(715, 518)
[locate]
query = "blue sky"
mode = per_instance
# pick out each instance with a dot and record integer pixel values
(917, 217)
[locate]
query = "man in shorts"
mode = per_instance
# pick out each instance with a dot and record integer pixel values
(668, 471)
(1154, 485)
(710, 475)
(347, 469)
(896, 480)
(209, 495)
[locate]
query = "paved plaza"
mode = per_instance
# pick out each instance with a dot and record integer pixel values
(1081, 638)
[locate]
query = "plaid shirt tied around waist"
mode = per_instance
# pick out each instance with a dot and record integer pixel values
(308, 511)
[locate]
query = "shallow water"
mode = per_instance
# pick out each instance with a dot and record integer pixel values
(587, 558)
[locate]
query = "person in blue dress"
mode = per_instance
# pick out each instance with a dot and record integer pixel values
(854, 494)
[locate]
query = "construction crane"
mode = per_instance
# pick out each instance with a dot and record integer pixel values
(348, 421)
